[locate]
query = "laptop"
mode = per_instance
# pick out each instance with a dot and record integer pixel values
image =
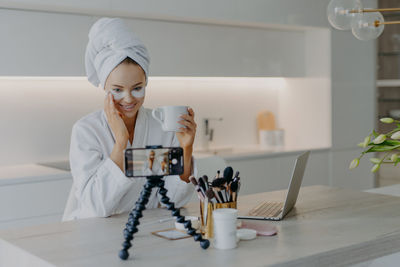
(276, 211)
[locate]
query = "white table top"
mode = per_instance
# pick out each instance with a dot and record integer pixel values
(328, 227)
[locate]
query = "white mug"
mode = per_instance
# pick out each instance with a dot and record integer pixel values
(225, 236)
(169, 116)
(271, 139)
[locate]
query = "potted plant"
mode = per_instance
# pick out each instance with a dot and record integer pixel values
(376, 142)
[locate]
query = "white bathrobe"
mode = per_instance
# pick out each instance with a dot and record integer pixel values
(100, 188)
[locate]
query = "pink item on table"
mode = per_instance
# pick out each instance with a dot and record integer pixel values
(261, 227)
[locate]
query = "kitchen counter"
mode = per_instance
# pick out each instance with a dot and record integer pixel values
(227, 153)
(251, 152)
(393, 190)
(329, 227)
(27, 173)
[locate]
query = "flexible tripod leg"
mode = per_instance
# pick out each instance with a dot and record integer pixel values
(204, 243)
(134, 216)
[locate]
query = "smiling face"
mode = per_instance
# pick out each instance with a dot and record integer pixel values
(123, 80)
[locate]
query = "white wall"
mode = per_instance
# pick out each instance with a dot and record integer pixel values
(236, 100)
(37, 117)
(305, 112)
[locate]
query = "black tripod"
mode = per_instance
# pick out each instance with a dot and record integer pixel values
(136, 214)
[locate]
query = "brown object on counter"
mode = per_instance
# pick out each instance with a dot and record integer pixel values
(266, 120)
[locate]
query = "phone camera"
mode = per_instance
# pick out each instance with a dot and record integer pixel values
(174, 161)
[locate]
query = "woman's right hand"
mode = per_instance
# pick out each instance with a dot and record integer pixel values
(116, 122)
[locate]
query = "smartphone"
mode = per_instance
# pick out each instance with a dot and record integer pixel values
(153, 161)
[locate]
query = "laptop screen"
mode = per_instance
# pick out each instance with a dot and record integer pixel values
(295, 182)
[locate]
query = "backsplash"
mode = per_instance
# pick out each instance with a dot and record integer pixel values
(37, 114)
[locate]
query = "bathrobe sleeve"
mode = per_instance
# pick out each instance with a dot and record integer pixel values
(100, 184)
(179, 191)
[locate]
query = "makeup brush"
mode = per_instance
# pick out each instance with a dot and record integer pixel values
(236, 175)
(225, 195)
(238, 189)
(219, 200)
(219, 182)
(202, 184)
(228, 174)
(205, 178)
(221, 194)
(210, 195)
(198, 189)
(234, 187)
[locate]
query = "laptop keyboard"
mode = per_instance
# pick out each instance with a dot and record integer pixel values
(267, 209)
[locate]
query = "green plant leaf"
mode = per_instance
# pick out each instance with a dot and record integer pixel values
(382, 148)
(389, 142)
(375, 133)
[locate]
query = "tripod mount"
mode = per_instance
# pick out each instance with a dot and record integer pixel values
(136, 214)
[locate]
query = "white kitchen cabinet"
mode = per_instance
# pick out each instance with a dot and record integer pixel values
(53, 44)
(33, 199)
(268, 173)
(318, 171)
(324, 167)
(77, 6)
(42, 44)
(182, 49)
(258, 174)
(282, 12)
(271, 172)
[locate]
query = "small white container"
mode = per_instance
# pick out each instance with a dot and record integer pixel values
(225, 228)
(272, 139)
(246, 234)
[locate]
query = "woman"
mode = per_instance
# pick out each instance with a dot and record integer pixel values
(118, 61)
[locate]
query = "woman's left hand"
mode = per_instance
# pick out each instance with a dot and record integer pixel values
(186, 134)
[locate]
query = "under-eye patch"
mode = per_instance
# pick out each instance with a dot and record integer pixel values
(137, 93)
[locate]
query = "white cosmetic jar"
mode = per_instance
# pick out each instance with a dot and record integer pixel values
(225, 228)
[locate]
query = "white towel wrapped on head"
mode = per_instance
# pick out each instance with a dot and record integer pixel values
(110, 42)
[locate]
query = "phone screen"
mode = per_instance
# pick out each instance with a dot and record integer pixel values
(144, 162)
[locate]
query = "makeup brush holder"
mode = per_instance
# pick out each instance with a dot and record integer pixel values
(206, 218)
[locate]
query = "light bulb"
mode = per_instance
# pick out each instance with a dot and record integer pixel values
(367, 26)
(339, 15)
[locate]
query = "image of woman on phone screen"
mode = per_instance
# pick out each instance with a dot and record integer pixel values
(118, 61)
